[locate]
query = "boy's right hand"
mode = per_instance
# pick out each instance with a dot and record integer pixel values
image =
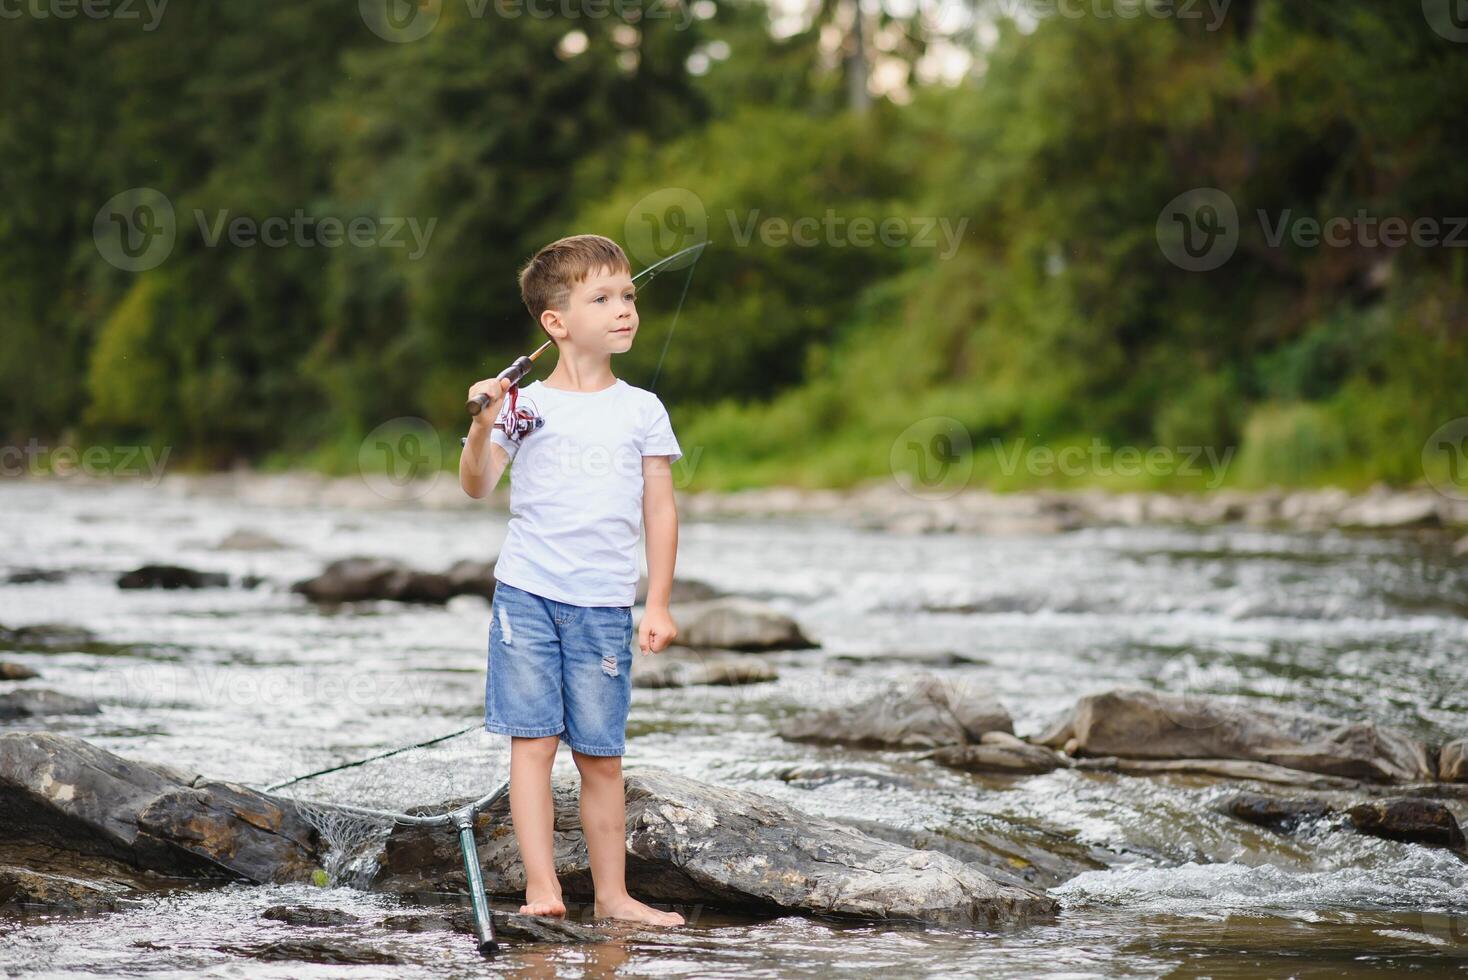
(494, 389)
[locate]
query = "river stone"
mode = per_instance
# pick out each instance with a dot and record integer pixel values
(737, 624)
(56, 892)
(1151, 725)
(32, 576)
(170, 577)
(38, 702)
(62, 791)
(360, 579)
(693, 843)
(16, 672)
(1410, 819)
(1284, 815)
(309, 915)
(1001, 759)
(675, 667)
(46, 636)
(511, 926)
(468, 577)
(683, 590)
(925, 712)
(1452, 762)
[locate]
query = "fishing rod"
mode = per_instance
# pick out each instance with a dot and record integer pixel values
(522, 364)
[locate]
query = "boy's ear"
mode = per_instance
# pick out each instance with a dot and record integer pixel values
(550, 320)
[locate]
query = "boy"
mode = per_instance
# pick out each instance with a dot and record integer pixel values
(590, 452)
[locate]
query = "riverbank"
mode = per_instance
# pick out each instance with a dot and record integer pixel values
(884, 505)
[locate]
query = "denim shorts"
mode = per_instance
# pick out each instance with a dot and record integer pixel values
(558, 669)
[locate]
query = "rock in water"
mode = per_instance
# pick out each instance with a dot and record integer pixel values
(1140, 724)
(170, 577)
(16, 672)
(62, 791)
(1410, 819)
(693, 843)
(925, 712)
(359, 579)
(35, 702)
(737, 624)
(1017, 760)
(1270, 811)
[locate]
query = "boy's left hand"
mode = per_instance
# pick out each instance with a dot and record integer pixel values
(656, 631)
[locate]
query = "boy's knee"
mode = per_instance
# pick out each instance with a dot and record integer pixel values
(535, 748)
(598, 765)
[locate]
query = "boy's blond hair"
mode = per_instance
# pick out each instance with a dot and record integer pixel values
(546, 280)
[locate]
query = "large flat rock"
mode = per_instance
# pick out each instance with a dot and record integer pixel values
(924, 712)
(693, 843)
(1139, 724)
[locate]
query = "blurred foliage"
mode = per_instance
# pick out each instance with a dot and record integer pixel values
(1053, 318)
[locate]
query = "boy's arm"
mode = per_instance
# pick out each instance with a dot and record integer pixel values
(482, 462)
(660, 522)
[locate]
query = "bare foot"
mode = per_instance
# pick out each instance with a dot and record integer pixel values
(543, 902)
(632, 910)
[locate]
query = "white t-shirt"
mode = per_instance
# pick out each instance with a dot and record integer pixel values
(576, 489)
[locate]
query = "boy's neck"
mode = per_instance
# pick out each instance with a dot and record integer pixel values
(575, 371)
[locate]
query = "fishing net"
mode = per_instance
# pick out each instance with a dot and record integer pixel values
(428, 778)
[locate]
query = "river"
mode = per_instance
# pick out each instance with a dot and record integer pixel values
(253, 684)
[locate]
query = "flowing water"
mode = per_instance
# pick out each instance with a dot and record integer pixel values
(253, 684)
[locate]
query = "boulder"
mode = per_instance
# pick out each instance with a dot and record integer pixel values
(1283, 815)
(16, 672)
(170, 577)
(1411, 819)
(675, 667)
(55, 892)
(39, 702)
(1015, 760)
(1150, 725)
(472, 578)
(63, 792)
(309, 916)
(361, 579)
(684, 590)
(690, 842)
(736, 624)
(1452, 762)
(925, 712)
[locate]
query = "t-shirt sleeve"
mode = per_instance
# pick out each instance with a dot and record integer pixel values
(658, 438)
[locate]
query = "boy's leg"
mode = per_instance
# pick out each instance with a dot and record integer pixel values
(533, 814)
(604, 822)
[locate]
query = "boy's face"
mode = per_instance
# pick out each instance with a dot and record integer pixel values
(600, 314)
